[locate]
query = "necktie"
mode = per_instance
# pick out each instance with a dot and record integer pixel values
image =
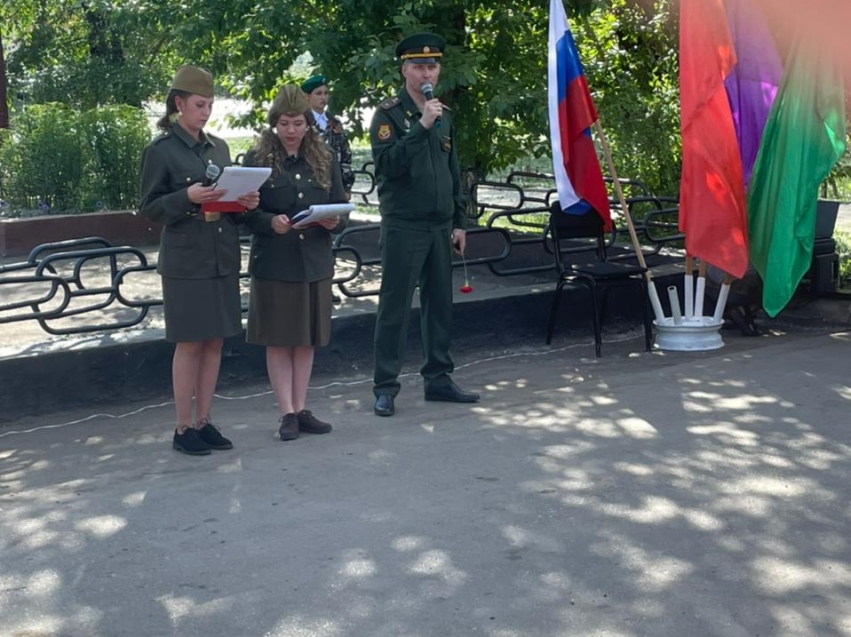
(321, 120)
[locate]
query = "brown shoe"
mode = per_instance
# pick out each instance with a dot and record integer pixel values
(310, 424)
(289, 427)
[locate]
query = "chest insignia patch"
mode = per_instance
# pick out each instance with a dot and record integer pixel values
(384, 132)
(447, 144)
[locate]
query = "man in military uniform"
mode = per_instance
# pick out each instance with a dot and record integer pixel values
(331, 127)
(422, 219)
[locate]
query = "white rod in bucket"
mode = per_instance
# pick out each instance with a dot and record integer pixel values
(654, 299)
(676, 315)
(722, 298)
(701, 289)
(688, 284)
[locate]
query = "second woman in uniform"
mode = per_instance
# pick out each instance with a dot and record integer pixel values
(291, 270)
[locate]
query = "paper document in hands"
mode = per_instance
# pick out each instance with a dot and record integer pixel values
(240, 180)
(317, 213)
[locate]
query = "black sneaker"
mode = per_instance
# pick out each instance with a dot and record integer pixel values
(210, 434)
(189, 442)
(289, 427)
(310, 424)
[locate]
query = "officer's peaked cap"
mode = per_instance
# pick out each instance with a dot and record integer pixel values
(421, 48)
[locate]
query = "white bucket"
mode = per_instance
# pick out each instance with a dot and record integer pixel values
(695, 333)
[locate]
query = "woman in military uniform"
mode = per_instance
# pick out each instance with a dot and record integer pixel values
(291, 270)
(330, 127)
(199, 257)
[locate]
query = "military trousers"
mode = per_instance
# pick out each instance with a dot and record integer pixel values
(411, 258)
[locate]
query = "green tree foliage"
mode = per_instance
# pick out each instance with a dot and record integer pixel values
(630, 58)
(85, 53)
(16, 16)
(494, 71)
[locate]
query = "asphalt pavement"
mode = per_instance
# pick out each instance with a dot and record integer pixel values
(640, 494)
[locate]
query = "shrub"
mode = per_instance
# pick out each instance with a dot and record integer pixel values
(843, 249)
(43, 159)
(58, 160)
(116, 136)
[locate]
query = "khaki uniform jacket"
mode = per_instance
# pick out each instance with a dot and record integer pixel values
(299, 255)
(416, 169)
(190, 247)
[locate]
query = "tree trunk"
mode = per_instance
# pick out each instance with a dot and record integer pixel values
(4, 104)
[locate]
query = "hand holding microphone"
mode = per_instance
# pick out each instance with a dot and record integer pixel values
(203, 192)
(212, 173)
(433, 108)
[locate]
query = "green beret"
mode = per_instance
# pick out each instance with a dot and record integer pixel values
(421, 48)
(193, 80)
(290, 100)
(313, 83)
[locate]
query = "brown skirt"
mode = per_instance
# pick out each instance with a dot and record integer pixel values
(286, 314)
(201, 309)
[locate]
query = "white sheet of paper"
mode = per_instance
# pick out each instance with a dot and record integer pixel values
(239, 180)
(319, 212)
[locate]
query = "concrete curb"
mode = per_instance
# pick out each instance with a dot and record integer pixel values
(133, 369)
(138, 367)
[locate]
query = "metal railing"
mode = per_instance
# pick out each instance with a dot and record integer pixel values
(52, 283)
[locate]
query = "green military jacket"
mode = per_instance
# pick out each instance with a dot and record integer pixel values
(335, 137)
(416, 169)
(190, 247)
(298, 255)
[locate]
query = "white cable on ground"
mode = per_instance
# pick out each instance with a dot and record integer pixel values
(332, 384)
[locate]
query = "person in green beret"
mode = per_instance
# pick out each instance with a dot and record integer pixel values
(292, 269)
(316, 89)
(422, 220)
(199, 256)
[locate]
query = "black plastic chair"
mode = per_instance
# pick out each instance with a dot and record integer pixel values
(598, 275)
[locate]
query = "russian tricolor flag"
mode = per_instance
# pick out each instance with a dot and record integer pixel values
(579, 179)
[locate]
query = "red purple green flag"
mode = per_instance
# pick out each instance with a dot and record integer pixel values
(803, 139)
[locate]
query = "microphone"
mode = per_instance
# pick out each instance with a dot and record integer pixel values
(211, 175)
(428, 91)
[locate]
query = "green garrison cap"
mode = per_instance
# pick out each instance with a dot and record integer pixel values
(421, 48)
(313, 83)
(193, 80)
(290, 100)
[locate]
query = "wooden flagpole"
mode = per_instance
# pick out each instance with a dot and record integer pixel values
(636, 246)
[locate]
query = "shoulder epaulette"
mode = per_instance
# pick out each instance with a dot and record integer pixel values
(165, 135)
(390, 103)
